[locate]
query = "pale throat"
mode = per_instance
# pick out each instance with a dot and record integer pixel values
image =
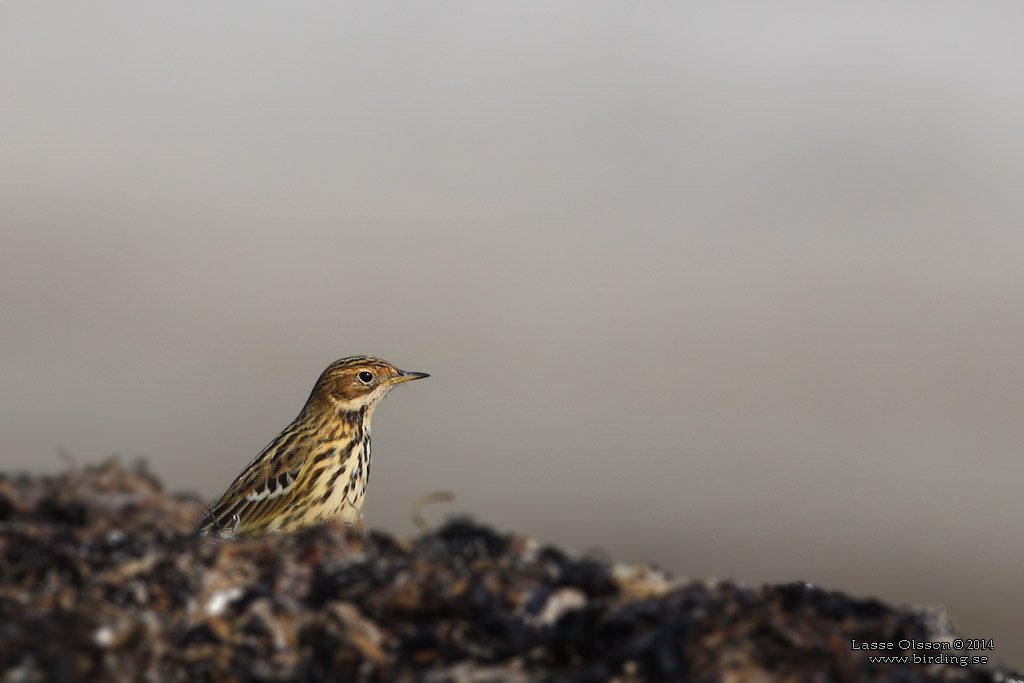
(364, 404)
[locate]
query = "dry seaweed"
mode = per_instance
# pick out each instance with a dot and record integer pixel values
(99, 581)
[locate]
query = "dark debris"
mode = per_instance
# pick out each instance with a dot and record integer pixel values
(99, 581)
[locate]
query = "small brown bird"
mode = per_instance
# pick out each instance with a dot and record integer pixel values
(317, 468)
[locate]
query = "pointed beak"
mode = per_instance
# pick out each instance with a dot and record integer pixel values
(407, 377)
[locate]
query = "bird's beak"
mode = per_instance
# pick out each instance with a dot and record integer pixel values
(403, 376)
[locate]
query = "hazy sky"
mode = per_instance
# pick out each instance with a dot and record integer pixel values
(734, 288)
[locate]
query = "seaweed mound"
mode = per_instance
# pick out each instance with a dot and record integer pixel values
(100, 581)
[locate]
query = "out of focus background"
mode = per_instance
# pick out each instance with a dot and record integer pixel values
(739, 291)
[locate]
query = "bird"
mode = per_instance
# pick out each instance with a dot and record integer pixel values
(317, 468)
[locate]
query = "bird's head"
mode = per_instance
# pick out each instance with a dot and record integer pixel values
(351, 384)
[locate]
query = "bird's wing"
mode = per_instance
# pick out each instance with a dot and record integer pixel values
(256, 497)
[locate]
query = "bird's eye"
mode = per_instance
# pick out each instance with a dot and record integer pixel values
(365, 377)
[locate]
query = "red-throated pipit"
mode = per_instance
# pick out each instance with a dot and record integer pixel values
(317, 468)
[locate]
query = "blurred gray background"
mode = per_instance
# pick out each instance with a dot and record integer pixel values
(734, 289)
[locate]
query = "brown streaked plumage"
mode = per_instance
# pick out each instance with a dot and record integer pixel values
(317, 468)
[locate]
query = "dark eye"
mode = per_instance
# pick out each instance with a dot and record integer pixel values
(365, 377)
